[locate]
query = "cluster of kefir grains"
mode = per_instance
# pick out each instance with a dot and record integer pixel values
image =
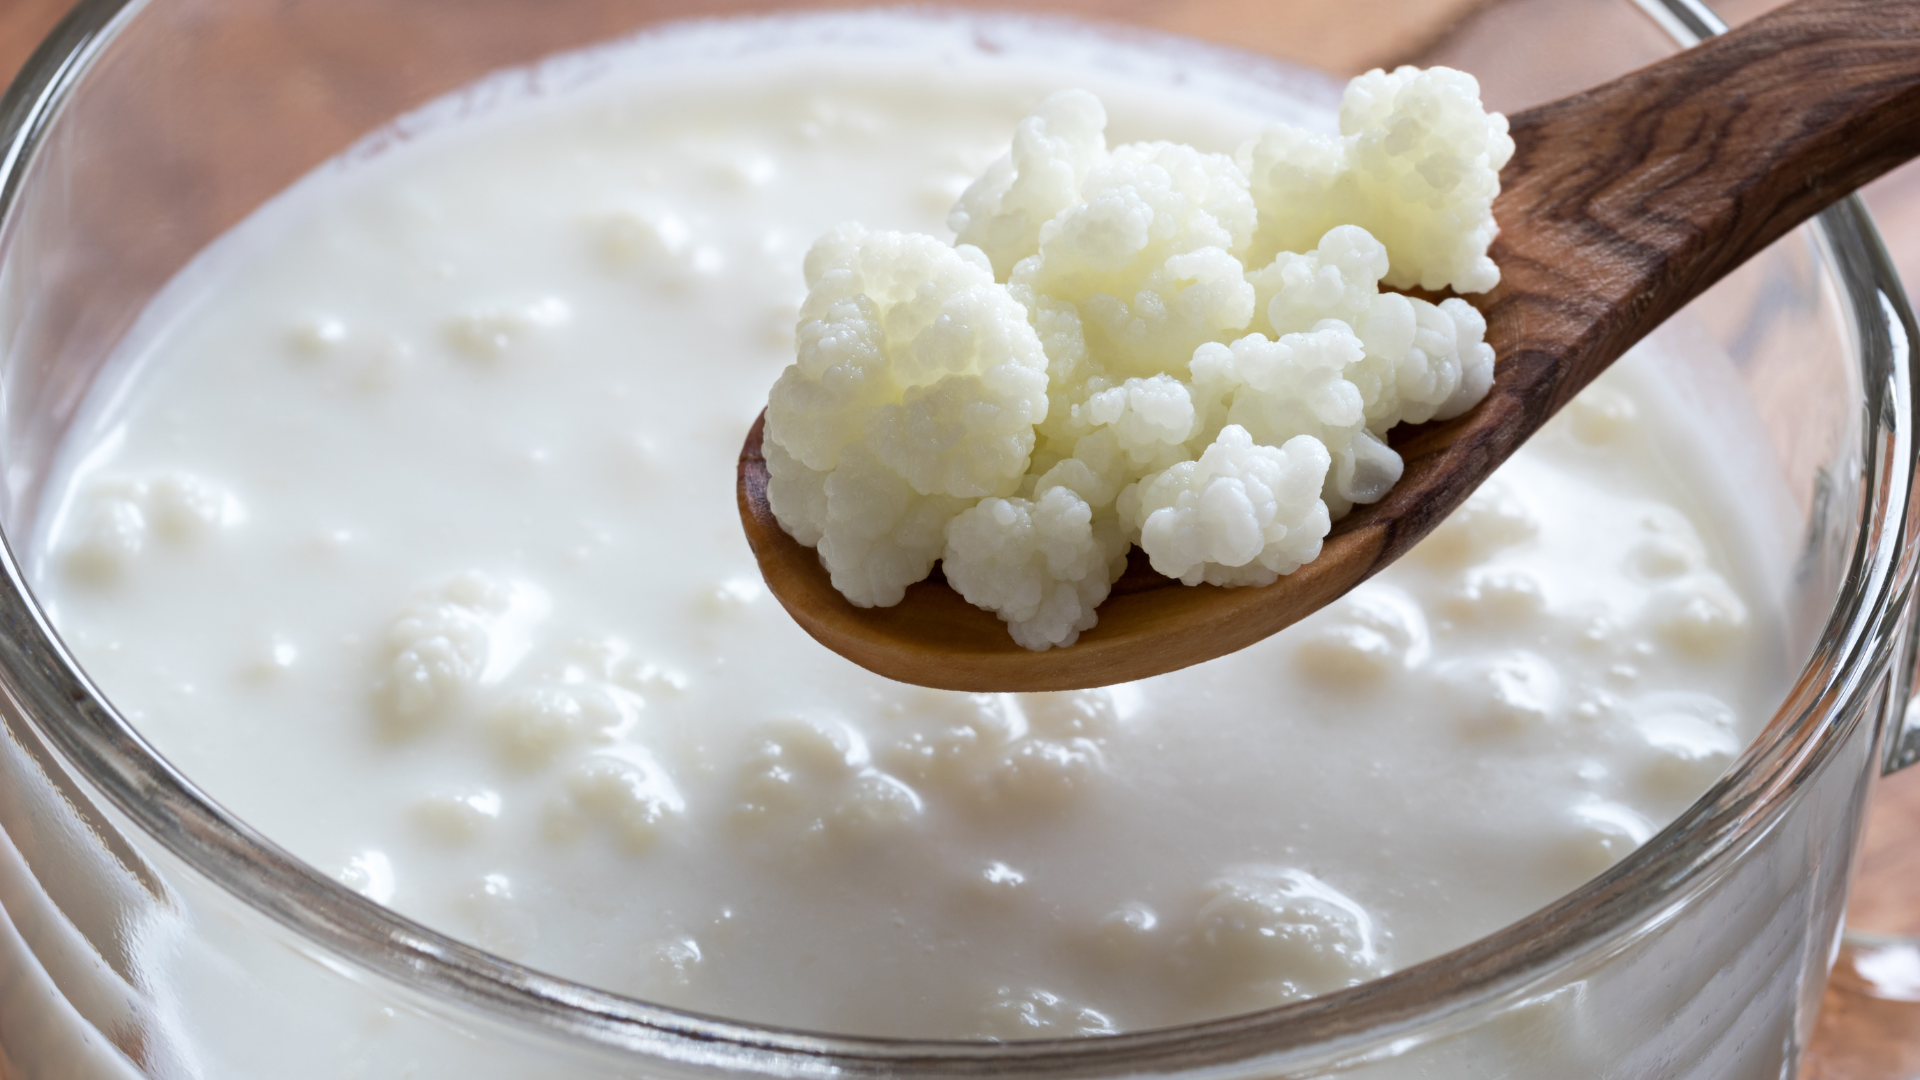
(124, 514)
(1139, 345)
(436, 461)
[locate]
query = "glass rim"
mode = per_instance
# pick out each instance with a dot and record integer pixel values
(58, 716)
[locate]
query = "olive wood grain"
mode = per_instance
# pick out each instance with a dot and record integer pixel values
(1619, 206)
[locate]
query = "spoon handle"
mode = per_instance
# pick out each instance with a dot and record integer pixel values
(1639, 194)
(1623, 203)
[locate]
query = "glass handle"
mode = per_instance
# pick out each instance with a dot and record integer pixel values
(1903, 742)
(1900, 741)
(1869, 1021)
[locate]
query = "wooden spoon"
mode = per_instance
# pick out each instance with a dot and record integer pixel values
(1619, 206)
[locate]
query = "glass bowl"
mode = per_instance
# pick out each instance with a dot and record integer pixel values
(142, 129)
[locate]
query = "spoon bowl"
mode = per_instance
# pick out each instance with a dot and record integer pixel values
(1620, 204)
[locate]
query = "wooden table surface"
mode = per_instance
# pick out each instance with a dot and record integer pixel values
(1860, 1037)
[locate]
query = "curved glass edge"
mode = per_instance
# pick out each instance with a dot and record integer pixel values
(1856, 245)
(1865, 258)
(1884, 317)
(43, 81)
(86, 734)
(1688, 22)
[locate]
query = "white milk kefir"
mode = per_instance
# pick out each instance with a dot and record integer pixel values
(406, 528)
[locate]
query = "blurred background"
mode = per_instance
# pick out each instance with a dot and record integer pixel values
(1870, 1022)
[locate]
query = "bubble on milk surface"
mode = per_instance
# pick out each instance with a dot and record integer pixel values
(1012, 1014)
(676, 961)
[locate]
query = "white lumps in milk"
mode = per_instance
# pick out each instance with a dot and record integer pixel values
(1282, 930)
(490, 332)
(481, 637)
(1008, 752)
(457, 818)
(817, 779)
(1374, 634)
(447, 640)
(622, 792)
(119, 517)
(1079, 360)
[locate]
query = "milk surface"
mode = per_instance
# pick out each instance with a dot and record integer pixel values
(465, 411)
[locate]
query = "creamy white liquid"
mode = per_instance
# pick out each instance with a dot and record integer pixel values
(510, 360)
